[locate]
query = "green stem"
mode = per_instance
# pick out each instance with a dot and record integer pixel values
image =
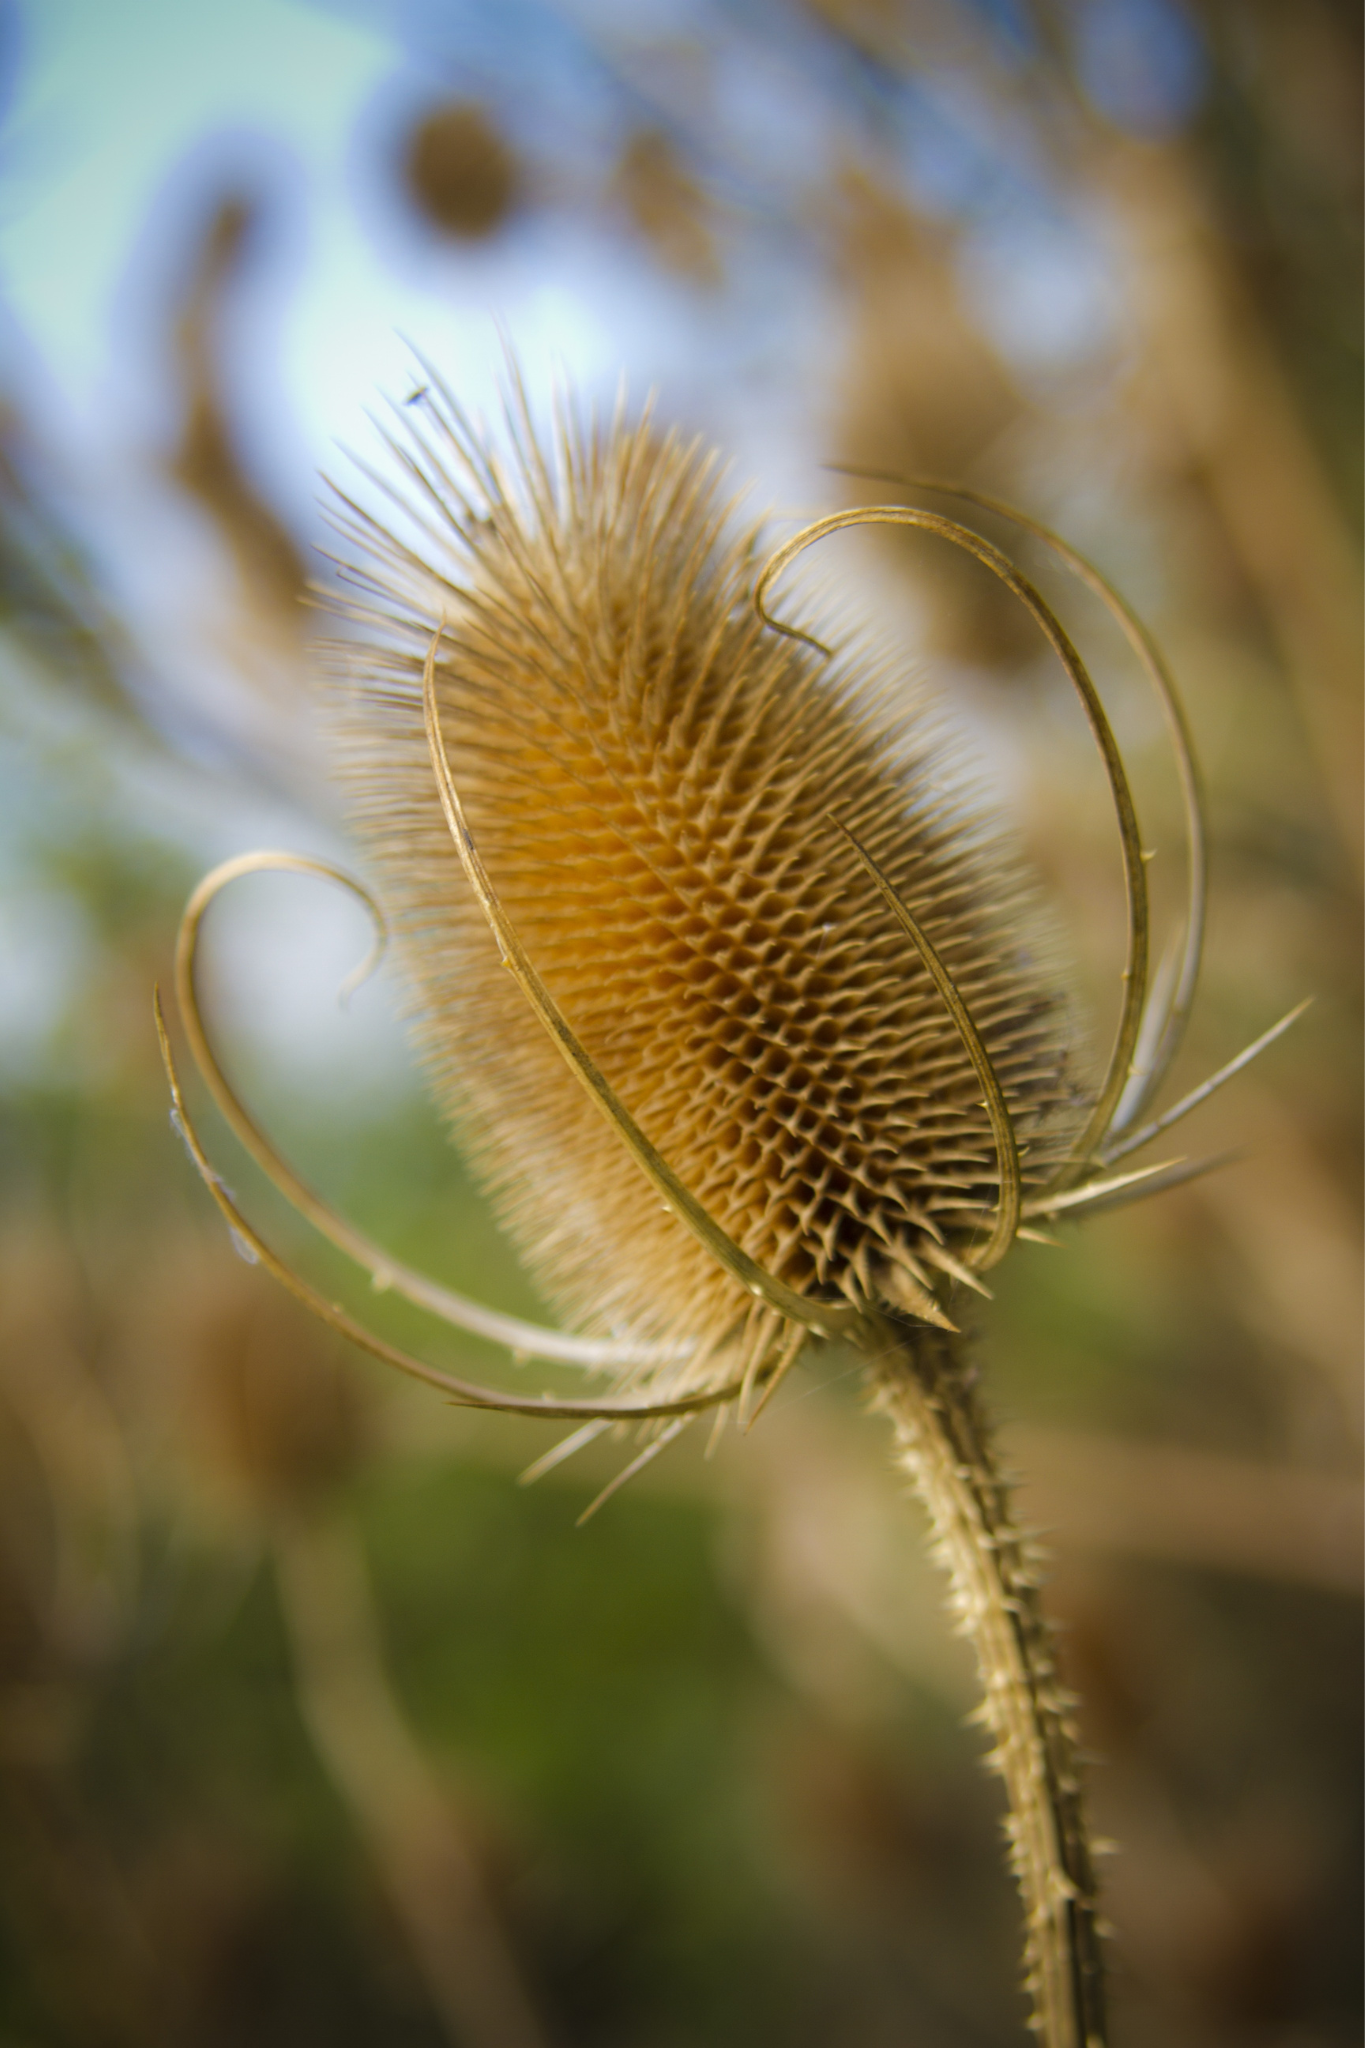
(943, 1443)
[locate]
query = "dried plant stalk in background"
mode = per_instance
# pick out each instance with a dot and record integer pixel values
(736, 998)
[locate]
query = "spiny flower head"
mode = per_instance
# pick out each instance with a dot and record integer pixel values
(661, 789)
(735, 997)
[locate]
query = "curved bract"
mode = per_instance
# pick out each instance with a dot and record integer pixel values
(531, 1340)
(1161, 1034)
(466, 1393)
(1134, 871)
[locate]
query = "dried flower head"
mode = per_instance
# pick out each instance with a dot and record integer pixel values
(460, 172)
(656, 782)
(736, 997)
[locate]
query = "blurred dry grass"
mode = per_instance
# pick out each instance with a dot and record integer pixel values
(207, 463)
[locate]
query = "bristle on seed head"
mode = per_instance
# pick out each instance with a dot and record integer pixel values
(656, 782)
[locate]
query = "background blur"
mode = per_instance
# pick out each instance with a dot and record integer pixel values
(313, 1727)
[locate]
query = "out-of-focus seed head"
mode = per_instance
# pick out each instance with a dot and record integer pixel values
(652, 777)
(460, 173)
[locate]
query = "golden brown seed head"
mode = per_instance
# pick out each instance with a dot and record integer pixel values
(652, 776)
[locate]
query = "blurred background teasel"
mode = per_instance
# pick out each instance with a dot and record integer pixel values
(312, 1725)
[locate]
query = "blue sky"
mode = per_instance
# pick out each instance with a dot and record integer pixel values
(123, 110)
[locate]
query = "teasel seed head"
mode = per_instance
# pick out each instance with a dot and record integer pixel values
(683, 812)
(735, 996)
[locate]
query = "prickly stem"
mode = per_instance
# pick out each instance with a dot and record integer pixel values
(943, 1444)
